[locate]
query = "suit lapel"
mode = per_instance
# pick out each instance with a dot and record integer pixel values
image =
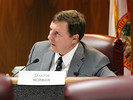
(76, 62)
(46, 61)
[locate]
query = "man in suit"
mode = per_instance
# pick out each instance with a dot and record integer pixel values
(77, 59)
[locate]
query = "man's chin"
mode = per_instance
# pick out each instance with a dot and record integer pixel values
(53, 50)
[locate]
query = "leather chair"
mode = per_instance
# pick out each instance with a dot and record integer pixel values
(110, 46)
(6, 89)
(111, 88)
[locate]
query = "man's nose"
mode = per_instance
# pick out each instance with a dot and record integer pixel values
(50, 36)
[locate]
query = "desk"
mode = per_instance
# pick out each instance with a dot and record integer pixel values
(47, 92)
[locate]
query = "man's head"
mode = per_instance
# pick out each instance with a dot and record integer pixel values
(76, 21)
(66, 29)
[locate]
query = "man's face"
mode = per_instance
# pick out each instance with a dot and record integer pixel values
(60, 40)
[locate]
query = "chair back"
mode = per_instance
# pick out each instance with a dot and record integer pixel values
(112, 47)
(6, 89)
(111, 88)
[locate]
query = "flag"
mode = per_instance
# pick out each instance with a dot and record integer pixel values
(119, 26)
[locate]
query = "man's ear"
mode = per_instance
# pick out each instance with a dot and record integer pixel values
(76, 37)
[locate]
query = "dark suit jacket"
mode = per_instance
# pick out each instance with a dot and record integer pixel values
(87, 61)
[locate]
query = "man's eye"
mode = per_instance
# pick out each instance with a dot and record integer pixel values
(57, 33)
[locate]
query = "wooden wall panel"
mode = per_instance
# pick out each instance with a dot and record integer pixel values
(23, 22)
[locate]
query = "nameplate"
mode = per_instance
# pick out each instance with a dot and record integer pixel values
(41, 78)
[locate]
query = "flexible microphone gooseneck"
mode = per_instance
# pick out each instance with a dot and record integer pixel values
(35, 61)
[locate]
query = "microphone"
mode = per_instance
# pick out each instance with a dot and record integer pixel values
(77, 74)
(34, 61)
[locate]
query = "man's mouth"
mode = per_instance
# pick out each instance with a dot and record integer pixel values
(52, 44)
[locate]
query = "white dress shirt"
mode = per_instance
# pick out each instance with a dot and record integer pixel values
(66, 60)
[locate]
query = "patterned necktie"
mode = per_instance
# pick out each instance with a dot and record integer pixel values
(59, 65)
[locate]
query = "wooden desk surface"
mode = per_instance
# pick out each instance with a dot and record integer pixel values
(68, 79)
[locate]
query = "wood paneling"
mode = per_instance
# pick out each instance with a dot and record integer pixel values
(23, 22)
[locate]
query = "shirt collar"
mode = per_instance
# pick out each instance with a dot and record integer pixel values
(67, 57)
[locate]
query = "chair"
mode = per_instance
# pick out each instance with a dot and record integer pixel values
(111, 88)
(6, 89)
(110, 46)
